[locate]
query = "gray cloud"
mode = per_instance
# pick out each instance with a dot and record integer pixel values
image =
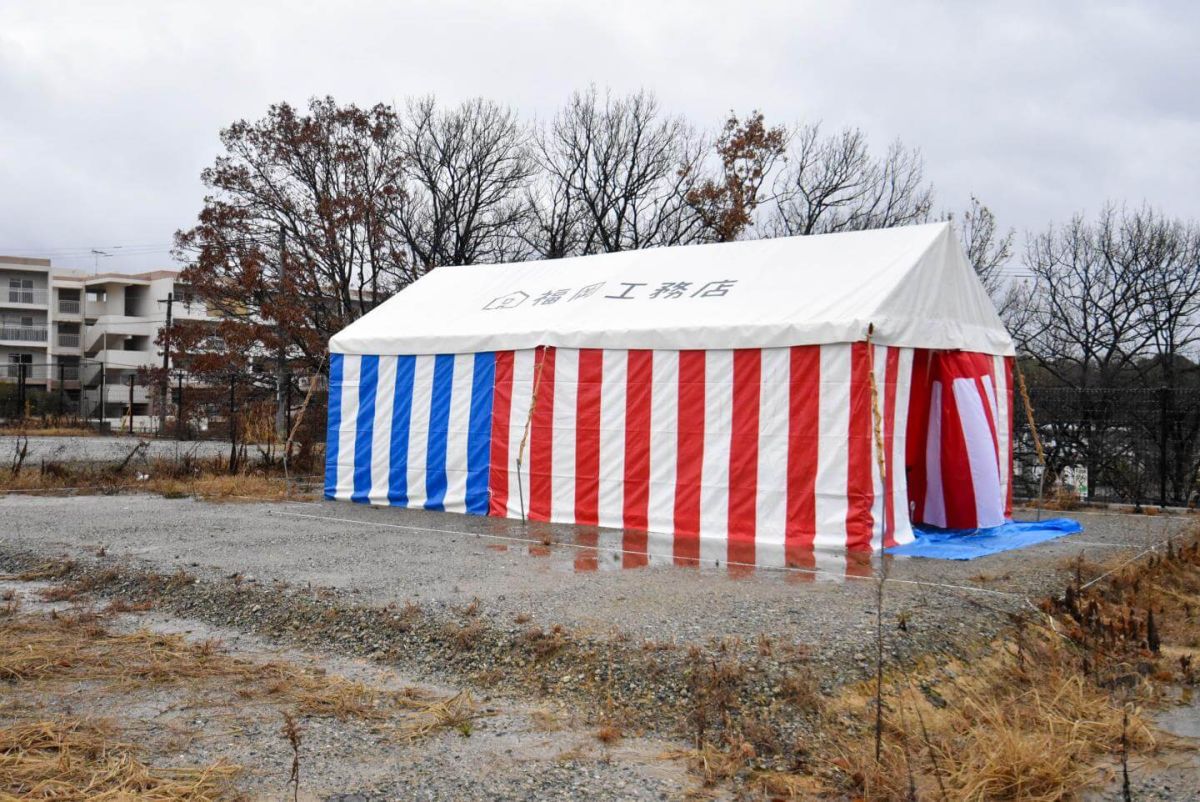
(110, 110)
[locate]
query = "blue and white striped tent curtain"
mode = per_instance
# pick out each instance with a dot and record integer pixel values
(396, 434)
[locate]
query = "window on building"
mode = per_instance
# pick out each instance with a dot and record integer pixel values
(13, 369)
(20, 290)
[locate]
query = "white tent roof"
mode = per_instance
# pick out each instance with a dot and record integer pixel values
(913, 283)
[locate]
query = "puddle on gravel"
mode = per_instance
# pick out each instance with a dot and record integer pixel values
(1183, 720)
(593, 549)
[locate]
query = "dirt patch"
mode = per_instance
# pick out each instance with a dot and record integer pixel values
(142, 705)
(656, 688)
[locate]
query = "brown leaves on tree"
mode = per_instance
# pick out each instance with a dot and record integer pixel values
(747, 150)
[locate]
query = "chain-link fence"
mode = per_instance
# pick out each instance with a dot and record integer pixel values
(1120, 445)
(41, 391)
(84, 394)
(1138, 445)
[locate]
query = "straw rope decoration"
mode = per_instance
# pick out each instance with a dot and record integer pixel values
(876, 413)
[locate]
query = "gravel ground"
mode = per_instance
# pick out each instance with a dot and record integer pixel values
(105, 449)
(443, 561)
(515, 751)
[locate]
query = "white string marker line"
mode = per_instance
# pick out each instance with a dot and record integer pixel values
(585, 547)
(1177, 514)
(1131, 560)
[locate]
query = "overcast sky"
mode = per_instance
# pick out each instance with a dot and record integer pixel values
(109, 110)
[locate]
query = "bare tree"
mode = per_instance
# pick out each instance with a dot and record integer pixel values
(618, 174)
(1090, 294)
(1115, 314)
(292, 243)
(1170, 253)
(555, 224)
(989, 251)
(466, 172)
(834, 183)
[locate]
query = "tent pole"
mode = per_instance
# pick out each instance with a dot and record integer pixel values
(1037, 441)
(537, 381)
(521, 492)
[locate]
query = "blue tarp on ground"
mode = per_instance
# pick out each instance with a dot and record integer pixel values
(967, 544)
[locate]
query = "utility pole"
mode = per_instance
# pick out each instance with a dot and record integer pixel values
(103, 399)
(288, 406)
(233, 453)
(165, 383)
(131, 403)
(179, 406)
(1162, 446)
(281, 373)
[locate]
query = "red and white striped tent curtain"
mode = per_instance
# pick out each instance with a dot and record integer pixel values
(960, 440)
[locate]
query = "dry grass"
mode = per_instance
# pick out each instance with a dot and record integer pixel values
(183, 478)
(1062, 498)
(35, 428)
(609, 734)
(545, 644)
(77, 759)
(1034, 718)
(46, 648)
(800, 689)
(714, 764)
(1037, 716)
(462, 637)
(71, 759)
(1029, 728)
(223, 487)
(546, 720)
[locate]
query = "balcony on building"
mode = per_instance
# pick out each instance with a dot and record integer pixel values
(16, 330)
(20, 293)
(24, 283)
(68, 335)
(69, 303)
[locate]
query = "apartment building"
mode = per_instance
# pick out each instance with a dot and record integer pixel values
(25, 318)
(83, 335)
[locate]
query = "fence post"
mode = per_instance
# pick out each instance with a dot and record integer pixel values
(232, 423)
(179, 406)
(103, 399)
(1162, 446)
(287, 406)
(22, 369)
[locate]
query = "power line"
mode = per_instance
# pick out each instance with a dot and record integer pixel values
(87, 249)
